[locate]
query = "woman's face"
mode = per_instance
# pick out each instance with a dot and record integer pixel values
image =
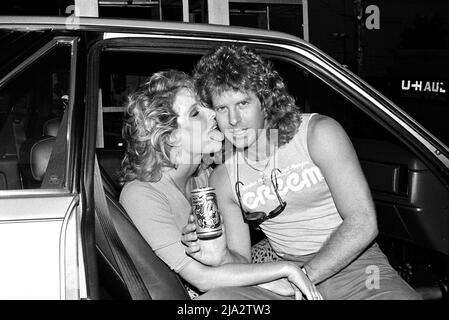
(197, 128)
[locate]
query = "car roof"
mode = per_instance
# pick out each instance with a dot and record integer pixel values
(140, 26)
(134, 26)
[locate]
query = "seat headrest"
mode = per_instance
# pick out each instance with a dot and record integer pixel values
(51, 127)
(34, 156)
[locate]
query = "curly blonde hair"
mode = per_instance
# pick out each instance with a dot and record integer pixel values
(149, 122)
(240, 68)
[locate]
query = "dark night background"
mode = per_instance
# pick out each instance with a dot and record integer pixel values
(406, 57)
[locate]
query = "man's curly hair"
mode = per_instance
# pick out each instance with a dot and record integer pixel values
(149, 122)
(241, 69)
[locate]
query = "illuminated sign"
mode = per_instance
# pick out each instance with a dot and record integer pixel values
(423, 86)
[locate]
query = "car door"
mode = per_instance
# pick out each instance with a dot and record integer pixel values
(40, 209)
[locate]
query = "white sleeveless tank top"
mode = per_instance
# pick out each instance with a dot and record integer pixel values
(310, 216)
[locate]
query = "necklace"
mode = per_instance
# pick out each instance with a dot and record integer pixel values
(265, 178)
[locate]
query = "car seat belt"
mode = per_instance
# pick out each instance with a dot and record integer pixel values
(56, 169)
(18, 127)
(131, 276)
(19, 134)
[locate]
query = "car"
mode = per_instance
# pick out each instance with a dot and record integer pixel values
(63, 86)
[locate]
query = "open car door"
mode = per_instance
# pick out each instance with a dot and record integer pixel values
(40, 205)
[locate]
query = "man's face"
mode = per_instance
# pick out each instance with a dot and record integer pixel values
(239, 116)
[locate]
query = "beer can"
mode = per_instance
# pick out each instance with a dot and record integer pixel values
(205, 210)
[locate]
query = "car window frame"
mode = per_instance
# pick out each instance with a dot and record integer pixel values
(68, 182)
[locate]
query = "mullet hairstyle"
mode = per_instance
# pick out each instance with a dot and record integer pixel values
(241, 69)
(149, 122)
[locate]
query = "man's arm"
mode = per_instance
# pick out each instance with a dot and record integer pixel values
(332, 151)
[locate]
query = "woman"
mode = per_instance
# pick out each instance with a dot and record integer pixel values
(166, 132)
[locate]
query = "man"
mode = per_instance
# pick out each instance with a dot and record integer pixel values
(303, 184)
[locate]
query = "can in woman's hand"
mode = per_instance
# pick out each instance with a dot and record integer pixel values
(205, 210)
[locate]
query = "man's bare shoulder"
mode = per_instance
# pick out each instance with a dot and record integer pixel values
(328, 142)
(321, 127)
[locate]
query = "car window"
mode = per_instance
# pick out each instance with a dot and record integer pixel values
(33, 97)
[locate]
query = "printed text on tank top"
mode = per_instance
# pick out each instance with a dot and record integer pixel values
(294, 178)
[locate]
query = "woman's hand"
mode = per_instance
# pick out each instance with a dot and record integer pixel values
(302, 283)
(210, 252)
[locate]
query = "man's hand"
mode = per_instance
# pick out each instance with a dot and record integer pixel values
(295, 284)
(211, 252)
(300, 281)
(282, 287)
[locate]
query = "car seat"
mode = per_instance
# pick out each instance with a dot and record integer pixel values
(35, 153)
(161, 282)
